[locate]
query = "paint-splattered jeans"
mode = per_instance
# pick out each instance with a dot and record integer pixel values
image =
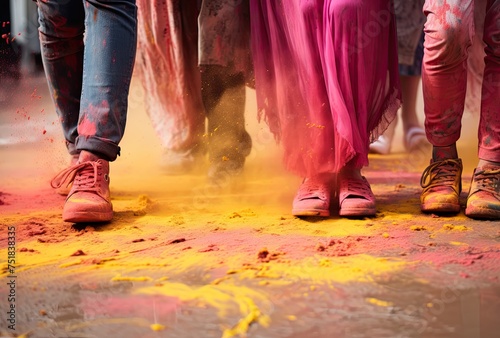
(88, 51)
(449, 32)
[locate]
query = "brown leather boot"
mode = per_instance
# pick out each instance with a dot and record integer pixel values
(442, 183)
(484, 195)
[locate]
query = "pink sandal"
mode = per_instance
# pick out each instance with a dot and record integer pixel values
(313, 197)
(356, 198)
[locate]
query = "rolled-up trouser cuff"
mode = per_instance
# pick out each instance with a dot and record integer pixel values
(72, 148)
(438, 138)
(106, 149)
(489, 154)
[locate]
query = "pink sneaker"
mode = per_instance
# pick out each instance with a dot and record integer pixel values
(356, 198)
(65, 187)
(313, 197)
(89, 198)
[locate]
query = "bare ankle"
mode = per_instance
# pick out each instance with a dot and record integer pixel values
(444, 153)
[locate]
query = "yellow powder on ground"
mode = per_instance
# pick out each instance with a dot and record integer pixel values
(378, 302)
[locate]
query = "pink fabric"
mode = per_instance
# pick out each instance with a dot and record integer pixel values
(449, 34)
(326, 78)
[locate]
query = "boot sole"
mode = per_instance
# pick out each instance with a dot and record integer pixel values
(88, 217)
(310, 213)
(482, 213)
(357, 212)
(440, 208)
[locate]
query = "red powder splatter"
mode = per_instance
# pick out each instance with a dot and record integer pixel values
(87, 127)
(6, 37)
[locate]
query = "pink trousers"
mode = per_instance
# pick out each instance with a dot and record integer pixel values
(449, 33)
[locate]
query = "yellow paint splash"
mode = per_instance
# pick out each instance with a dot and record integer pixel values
(157, 327)
(120, 278)
(378, 302)
(254, 316)
(458, 243)
(224, 298)
(455, 227)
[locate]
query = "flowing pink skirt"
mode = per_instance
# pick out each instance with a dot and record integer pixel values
(326, 76)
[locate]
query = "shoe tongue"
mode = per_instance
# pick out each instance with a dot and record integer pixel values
(488, 167)
(86, 156)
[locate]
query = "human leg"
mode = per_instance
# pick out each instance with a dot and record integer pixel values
(444, 80)
(224, 60)
(223, 94)
(484, 195)
(167, 61)
(105, 72)
(410, 21)
(61, 40)
(370, 109)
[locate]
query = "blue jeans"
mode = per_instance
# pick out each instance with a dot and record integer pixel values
(88, 51)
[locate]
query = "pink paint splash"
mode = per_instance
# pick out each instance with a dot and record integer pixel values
(87, 127)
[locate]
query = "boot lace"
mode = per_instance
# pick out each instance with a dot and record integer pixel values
(83, 175)
(439, 174)
(488, 180)
(313, 188)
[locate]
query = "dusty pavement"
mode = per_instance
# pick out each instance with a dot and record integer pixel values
(182, 259)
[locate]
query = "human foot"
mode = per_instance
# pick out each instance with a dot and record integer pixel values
(356, 198)
(442, 183)
(483, 201)
(313, 197)
(89, 199)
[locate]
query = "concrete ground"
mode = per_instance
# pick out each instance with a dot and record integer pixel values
(182, 259)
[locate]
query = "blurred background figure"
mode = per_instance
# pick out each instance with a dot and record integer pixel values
(194, 61)
(19, 44)
(10, 56)
(410, 21)
(25, 30)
